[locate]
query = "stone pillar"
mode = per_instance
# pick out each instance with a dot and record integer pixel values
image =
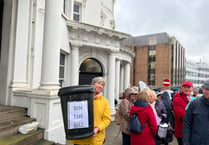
(45, 105)
(75, 65)
(122, 88)
(51, 45)
(111, 82)
(117, 79)
(127, 75)
(21, 52)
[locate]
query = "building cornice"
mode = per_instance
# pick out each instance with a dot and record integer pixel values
(97, 29)
(127, 50)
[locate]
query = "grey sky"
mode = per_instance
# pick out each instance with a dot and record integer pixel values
(187, 20)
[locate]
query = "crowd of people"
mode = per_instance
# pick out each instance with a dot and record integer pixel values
(183, 113)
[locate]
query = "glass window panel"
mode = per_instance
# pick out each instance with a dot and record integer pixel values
(62, 69)
(152, 77)
(62, 59)
(152, 47)
(76, 17)
(61, 73)
(152, 65)
(153, 52)
(151, 58)
(76, 8)
(61, 83)
(90, 65)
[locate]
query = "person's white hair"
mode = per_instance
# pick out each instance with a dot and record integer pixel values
(97, 79)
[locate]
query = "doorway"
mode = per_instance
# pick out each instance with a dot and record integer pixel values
(89, 69)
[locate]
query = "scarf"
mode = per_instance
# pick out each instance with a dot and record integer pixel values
(153, 107)
(154, 110)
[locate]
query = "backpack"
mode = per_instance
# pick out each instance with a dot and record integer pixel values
(135, 125)
(118, 116)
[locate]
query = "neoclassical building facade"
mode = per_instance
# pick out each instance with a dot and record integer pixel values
(48, 44)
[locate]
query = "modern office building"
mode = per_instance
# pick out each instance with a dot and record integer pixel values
(158, 57)
(46, 44)
(197, 72)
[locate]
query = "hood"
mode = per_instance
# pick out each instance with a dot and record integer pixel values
(139, 106)
(204, 100)
(166, 100)
(140, 103)
(165, 96)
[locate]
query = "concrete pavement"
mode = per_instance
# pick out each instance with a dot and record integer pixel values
(114, 137)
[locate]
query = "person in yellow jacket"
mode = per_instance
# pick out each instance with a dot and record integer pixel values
(101, 115)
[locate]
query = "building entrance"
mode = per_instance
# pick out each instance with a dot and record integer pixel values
(89, 69)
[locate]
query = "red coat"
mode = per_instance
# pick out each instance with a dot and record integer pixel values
(145, 115)
(179, 104)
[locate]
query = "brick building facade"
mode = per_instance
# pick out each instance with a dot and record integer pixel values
(158, 57)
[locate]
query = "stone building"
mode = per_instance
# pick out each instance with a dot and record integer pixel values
(46, 44)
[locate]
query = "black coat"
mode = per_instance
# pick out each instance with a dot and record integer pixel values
(196, 119)
(170, 117)
(168, 106)
(161, 112)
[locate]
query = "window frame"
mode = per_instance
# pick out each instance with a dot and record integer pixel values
(62, 79)
(79, 13)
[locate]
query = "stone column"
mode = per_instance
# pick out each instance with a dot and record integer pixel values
(51, 45)
(75, 65)
(122, 88)
(117, 79)
(45, 105)
(21, 43)
(127, 75)
(111, 82)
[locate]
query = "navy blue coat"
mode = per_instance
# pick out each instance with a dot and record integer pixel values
(196, 119)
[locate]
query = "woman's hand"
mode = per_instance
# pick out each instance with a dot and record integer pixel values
(96, 130)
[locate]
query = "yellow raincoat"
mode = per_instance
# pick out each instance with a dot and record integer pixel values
(101, 119)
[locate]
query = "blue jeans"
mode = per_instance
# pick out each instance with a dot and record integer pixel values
(126, 139)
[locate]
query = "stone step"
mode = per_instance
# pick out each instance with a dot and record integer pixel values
(20, 139)
(11, 126)
(10, 112)
(44, 142)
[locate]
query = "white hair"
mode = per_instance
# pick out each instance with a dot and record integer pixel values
(97, 79)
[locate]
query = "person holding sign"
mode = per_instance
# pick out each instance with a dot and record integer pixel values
(102, 116)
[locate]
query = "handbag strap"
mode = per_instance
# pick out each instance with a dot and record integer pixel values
(144, 126)
(134, 113)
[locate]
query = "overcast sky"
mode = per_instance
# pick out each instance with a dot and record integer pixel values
(187, 20)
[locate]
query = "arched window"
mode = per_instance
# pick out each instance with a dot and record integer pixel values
(89, 69)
